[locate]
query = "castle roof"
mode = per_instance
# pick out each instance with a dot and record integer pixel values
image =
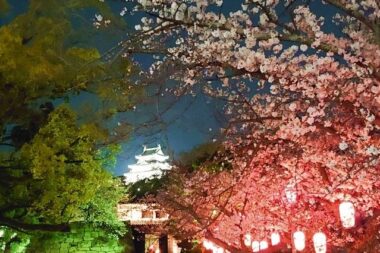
(151, 154)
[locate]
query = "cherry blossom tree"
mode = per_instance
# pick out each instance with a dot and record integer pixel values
(302, 95)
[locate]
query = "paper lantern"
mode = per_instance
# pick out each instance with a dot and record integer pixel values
(275, 238)
(247, 240)
(219, 250)
(299, 240)
(291, 193)
(320, 242)
(207, 244)
(347, 214)
(255, 246)
(263, 245)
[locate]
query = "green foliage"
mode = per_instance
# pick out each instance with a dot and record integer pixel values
(101, 210)
(108, 155)
(13, 242)
(59, 158)
(40, 58)
(203, 156)
(199, 154)
(58, 177)
(115, 93)
(145, 187)
(35, 62)
(54, 173)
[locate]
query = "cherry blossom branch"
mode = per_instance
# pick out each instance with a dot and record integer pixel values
(355, 14)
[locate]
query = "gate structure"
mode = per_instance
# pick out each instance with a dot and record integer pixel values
(147, 216)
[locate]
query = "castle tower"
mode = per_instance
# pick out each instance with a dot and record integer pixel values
(150, 164)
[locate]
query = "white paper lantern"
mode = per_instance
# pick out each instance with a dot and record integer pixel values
(275, 238)
(299, 240)
(347, 214)
(291, 193)
(263, 245)
(255, 246)
(207, 244)
(247, 240)
(320, 242)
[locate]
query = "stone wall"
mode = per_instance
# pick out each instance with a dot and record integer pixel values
(82, 239)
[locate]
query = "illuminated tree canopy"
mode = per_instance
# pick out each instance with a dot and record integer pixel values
(303, 99)
(58, 178)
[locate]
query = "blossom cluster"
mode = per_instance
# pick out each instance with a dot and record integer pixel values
(312, 123)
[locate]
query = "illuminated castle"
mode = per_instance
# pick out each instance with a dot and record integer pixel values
(150, 164)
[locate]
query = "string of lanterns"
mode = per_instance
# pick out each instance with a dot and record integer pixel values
(347, 217)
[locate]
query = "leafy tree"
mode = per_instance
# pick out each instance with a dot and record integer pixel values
(42, 59)
(13, 242)
(58, 178)
(198, 155)
(206, 157)
(145, 187)
(311, 125)
(53, 162)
